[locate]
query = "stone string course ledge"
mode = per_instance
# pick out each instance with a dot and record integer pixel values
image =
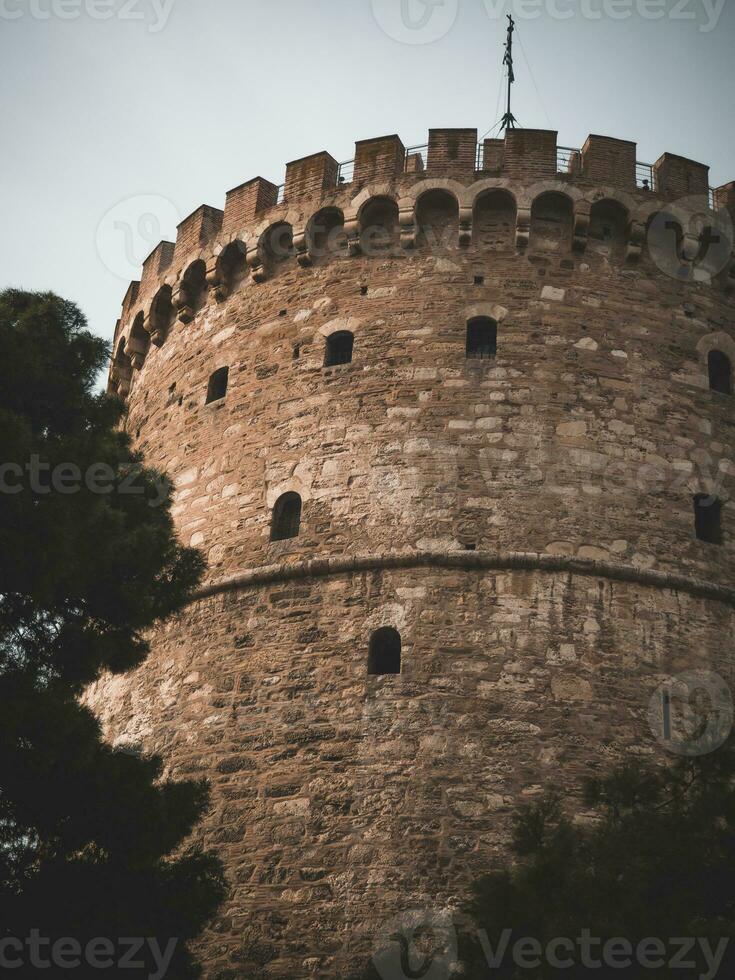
(519, 561)
(524, 521)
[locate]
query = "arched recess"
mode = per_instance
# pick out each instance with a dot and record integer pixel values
(717, 356)
(139, 342)
(719, 367)
(286, 517)
(608, 228)
(379, 227)
(161, 315)
(339, 348)
(230, 268)
(193, 291)
(384, 652)
(276, 245)
(708, 518)
(122, 371)
(481, 339)
(494, 220)
(325, 234)
(552, 223)
(437, 218)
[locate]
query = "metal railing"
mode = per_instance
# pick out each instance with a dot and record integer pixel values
(644, 176)
(422, 152)
(568, 161)
(345, 172)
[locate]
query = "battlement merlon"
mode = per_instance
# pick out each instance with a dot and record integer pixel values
(196, 230)
(523, 155)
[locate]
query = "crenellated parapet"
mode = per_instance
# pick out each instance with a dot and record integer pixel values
(390, 198)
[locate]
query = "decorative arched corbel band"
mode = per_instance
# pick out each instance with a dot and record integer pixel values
(407, 222)
(471, 561)
(353, 213)
(582, 209)
(636, 236)
(523, 226)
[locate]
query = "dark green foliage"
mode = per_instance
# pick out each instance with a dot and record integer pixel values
(90, 837)
(654, 858)
(658, 862)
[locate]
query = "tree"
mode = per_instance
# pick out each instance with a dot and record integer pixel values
(92, 839)
(651, 874)
(659, 863)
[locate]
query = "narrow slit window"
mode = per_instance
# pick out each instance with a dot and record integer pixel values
(708, 518)
(339, 348)
(720, 372)
(217, 387)
(286, 521)
(482, 338)
(384, 656)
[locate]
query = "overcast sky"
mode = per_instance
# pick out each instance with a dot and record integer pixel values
(122, 116)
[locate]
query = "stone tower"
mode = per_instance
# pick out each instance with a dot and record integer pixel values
(454, 428)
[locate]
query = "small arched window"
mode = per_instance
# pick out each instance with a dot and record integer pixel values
(482, 338)
(339, 348)
(217, 387)
(286, 517)
(384, 656)
(708, 518)
(720, 372)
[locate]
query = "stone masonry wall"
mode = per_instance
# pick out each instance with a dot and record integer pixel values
(526, 522)
(340, 799)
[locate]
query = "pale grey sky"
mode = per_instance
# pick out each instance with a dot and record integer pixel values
(122, 116)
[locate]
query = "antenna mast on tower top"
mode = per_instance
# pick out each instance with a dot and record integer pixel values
(509, 120)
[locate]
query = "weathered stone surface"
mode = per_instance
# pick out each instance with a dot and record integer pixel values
(524, 521)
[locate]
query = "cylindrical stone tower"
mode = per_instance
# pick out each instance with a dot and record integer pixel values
(454, 427)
